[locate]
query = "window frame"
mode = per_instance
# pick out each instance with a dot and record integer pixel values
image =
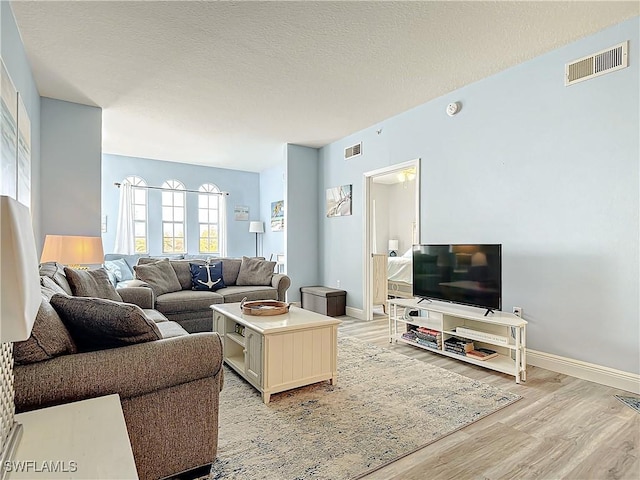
(138, 184)
(174, 187)
(210, 191)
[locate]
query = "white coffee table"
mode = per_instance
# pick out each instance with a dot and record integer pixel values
(279, 352)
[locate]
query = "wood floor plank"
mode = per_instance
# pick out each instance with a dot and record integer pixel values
(563, 428)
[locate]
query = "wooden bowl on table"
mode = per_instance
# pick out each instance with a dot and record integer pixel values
(264, 307)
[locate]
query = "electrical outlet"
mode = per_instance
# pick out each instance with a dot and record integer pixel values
(517, 311)
(338, 283)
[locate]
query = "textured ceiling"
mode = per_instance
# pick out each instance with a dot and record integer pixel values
(228, 83)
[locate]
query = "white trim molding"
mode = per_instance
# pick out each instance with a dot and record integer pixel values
(355, 313)
(611, 377)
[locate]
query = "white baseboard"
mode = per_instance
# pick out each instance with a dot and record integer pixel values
(355, 313)
(586, 371)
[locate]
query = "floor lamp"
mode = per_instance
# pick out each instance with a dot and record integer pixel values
(256, 227)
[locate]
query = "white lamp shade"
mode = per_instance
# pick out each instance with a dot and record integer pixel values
(72, 250)
(256, 227)
(20, 295)
(393, 245)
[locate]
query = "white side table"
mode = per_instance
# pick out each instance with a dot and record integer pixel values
(79, 440)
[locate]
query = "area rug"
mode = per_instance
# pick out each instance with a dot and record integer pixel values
(632, 402)
(384, 406)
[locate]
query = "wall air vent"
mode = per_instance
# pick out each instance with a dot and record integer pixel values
(605, 61)
(353, 151)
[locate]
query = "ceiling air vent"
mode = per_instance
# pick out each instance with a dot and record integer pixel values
(353, 151)
(605, 61)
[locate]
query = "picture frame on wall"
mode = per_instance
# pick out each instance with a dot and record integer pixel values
(241, 213)
(339, 201)
(277, 216)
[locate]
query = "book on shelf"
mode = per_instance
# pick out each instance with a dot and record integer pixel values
(428, 343)
(482, 353)
(463, 344)
(482, 336)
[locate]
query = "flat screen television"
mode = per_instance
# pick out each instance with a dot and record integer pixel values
(465, 274)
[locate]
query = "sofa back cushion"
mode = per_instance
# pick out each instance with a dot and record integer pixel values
(97, 323)
(183, 271)
(49, 338)
(91, 283)
(230, 270)
(255, 271)
(160, 276)
(55, 272)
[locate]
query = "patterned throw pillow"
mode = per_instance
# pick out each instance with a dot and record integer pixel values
(119, 268)
(206, 277)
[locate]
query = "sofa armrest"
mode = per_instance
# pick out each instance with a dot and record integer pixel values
(140, 296)
(281, 282)
(129, 371)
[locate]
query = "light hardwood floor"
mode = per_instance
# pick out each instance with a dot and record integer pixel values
(563, 428)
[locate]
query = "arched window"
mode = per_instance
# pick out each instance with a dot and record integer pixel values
(209, 219)
(139, 207)
(173, 217)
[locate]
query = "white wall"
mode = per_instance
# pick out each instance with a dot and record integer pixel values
(402, 216)
(380, 195)
(550, 172)
(71, 168)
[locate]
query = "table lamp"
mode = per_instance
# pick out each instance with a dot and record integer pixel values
(73, 251)
(20, 299)
(256, 227)
(393, 248)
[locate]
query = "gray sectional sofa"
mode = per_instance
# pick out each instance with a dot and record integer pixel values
(248, 277)
(83, 345)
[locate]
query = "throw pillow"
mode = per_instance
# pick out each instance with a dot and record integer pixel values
(48, 287)
(91, 283)
(49, 337)
(255, 271)
(97, 323)
(119, 268)
(206, 277)
(55, 271)
(160, 276)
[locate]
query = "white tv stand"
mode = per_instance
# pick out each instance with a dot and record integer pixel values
(500, 331)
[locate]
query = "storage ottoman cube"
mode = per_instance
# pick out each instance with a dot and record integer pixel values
(327, 301)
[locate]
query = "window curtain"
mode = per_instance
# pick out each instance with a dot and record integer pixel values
(222, 227)
(125, 242)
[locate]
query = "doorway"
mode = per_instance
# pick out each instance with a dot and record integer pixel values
(391, 227)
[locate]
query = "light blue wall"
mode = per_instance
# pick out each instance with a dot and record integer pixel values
(272, 189)
(15, 59)
(243, 187)
(302, 209)
(549, 171)
(71, 158)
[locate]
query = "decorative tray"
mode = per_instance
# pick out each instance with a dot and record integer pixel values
(264, 307)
